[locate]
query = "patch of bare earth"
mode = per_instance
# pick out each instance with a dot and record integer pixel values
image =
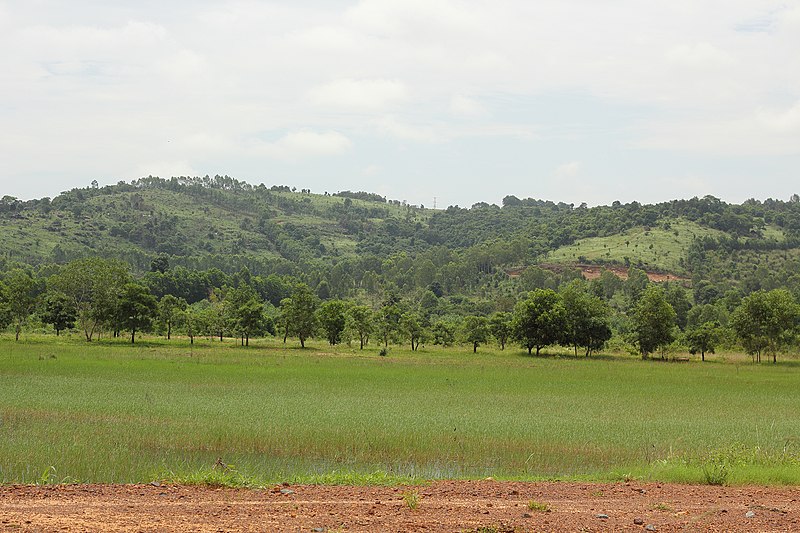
(442, 506)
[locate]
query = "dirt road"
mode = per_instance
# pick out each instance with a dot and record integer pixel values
(441, 506)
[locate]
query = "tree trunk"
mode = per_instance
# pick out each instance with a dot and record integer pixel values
(133, 336)
(302, 342)
(537, 350)
(191, 339)
(16, 336)
(57, 332)
(247, 340)
(169, 330)
(702, 355)
(474, 347)
(529, 349)
(362, 341)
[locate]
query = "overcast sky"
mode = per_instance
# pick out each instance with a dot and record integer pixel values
(467, 101)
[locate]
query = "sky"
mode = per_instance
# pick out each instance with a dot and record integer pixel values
(452, 102)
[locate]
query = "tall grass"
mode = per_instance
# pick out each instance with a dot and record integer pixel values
(108, 412)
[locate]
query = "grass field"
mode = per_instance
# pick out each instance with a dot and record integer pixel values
(109, 412)
(657, 248)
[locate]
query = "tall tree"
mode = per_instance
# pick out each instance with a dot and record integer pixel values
(332, 317)
(587, 318)
(137, 308)
(703, 338)
(476, 331)
(411, 325)
(539, 320)
(766, 321)
(360, 320)
(500, 328)
(301, 313)
(59, 311)
(169, 311)
(250, 320)
(93, 285)
(653, 321)
(21, 298)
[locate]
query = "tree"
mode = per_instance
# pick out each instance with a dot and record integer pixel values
(411, 325)
(539, 320)
(653, 321)
(20, 293)
(5, 308)
(332, 317)
(388, 322)
(765, 322)
(137, 308)
(703, 338)
(587, 318)
(301, 313)
(500, 328)
(250, 321)
(59, 311)
(160, 263)
(679, 300)
(169, 311)
(476, 331)
(444, 331)
(93, 285)
(360, 320)
(636, 284)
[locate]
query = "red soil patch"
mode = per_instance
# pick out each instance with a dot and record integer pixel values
(443, 506)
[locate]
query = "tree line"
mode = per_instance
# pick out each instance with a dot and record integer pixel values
(97, 296)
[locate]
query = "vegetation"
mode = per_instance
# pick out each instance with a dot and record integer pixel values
(202, 260)
(109, 411)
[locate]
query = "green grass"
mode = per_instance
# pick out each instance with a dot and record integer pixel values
(656, 247)
(108, 412)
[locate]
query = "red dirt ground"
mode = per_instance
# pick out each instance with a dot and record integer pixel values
(443, 506)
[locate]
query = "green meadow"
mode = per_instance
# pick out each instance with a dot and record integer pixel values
(108, 412)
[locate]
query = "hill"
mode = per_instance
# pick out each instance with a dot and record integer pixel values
(222, 223)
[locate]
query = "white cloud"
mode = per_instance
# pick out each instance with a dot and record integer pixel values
(391, 125)
(568, 170)
(786, 121)
(303, 144)
(371, 170)
(699, 56)
(465, 106)
(375, 94)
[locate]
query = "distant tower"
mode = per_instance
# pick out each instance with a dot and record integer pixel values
(434, 202)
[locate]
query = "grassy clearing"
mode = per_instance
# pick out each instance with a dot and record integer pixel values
(108, 412)
(657, 247)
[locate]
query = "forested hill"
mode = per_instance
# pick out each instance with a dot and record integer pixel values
(221, 223)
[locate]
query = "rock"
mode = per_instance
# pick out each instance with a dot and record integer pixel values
(155, 483)
(287, 491)
(318, 530)
(603, 516)
(749, 514)
(526, 515)
(650, 527)
(638, 521)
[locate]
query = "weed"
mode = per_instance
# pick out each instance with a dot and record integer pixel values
(411, 499)
(661, 506)
(384, 352)
(715, 469)
(539, 507)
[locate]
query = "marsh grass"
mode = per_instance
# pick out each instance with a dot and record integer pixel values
(109, 412)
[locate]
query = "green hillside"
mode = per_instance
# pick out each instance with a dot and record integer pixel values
(662, 248)
(357, 241)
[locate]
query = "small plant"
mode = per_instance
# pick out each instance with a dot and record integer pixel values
(715, 471)
(384, 352)
(662, 507)
(411, 499)
(538, 507)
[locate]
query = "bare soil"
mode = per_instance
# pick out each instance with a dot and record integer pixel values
(442, 506)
